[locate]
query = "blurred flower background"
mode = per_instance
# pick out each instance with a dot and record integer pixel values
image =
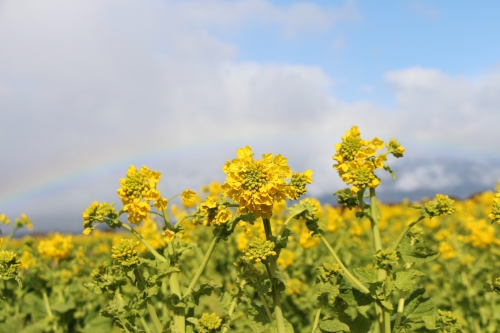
(89, 87)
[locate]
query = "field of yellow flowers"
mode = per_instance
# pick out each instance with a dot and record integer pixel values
(255, 254)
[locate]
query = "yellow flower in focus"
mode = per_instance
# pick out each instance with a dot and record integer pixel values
(136, 190)
(189, 198)
(447, 250)
(223, 215)
(56, 247)
(214, 210)
(256, 185)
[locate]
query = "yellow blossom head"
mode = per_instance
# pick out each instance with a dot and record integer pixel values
(189, 198)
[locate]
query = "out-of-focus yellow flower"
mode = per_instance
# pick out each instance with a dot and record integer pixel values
(215, 188)
(189, 198)
(467, 259)
(286, 258)
(149, 230)
(56, 247)
(136, 190)
(256, 185)
(481, 235)
(242, 241)
(22, 221)
(27, 260)
(447, 250)
(356, 229)
(333, 218)
(293, 287)
(4, 219)
(168, 235)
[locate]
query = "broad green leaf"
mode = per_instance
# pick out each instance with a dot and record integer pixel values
(406, 280)
(333, 326)
(365, 275)
(288, 327)
(418, 253)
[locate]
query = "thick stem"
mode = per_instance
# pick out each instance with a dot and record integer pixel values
(143, 241)
(280, 321)
(175, 288)
(399, 315)
(151, 308)
(384, 317)
(345, 271)
(204, 263)
(316, 318)
(145, 325)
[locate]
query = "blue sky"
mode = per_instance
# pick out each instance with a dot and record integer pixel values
(455, 37)
(89, 87)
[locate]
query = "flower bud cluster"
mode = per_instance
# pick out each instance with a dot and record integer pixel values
(495, 209)
(448, 322)
(209, 323)
(125, 252)
(97, 212)
(4, 219)
(9, 265)
(441, 205)
(297, 186)
(259, 250)
(386, 258)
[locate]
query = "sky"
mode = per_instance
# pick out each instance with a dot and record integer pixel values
(88, 88)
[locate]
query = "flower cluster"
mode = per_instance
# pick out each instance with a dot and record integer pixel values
(209, 323)
(495, 209)
(189, 198)
(136, 190)
(4, 219)
(97, 212)
(386, 258)
(9, 265)
(441, 205)
(56, 247)
(259, 250)
(125, 252)
(356, 160)
(258, 185)
(215, 211)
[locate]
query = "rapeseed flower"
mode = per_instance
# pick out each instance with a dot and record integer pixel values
(189, 198)
(257, 185)
(56, 247)
(209, 323)
(260, 250)
(137, 190)
(125, 252)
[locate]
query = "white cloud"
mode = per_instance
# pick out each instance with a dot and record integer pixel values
(432, 176)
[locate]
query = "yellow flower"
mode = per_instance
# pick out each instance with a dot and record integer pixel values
(24, 221)
(215, 188)
(168, 235)
(56, 247)
(223, 215)
(293, 286)
(447, 250)
(136, 190)
(4, 219)
(189, 198)
(286, 258)
(256, 185)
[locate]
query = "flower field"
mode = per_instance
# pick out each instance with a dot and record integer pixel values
(256, 254)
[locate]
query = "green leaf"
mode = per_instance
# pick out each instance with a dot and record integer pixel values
(419, 253)
(206, 288)
(333, 326)
(419, 310)
(365, 275)
(406, 280)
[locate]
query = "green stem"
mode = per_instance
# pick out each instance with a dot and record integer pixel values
(145, 325)
(283, 227)
(151, 309)
(266, 306)
(316, 318)
(280, 321)
(143, 241)
(346, 272)
(49, 311)
(204, 263)
(175, 288)
(401, 305)
(8, 238)
(384, 317)
(232, 307)
(404, 232)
